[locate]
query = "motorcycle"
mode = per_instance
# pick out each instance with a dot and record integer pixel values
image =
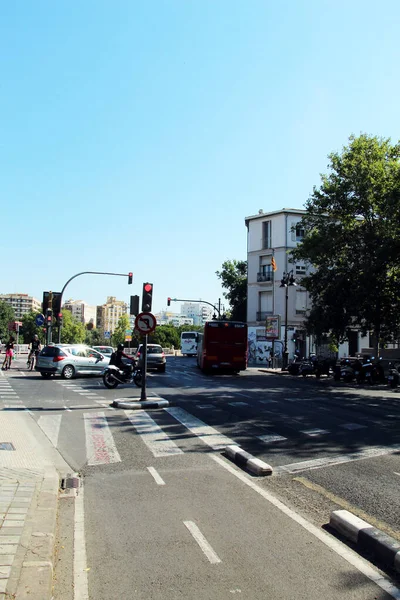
(113, 376)
(394, 375)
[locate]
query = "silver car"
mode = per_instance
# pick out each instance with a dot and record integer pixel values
(106, 350)
(155, 357)
(70, 360)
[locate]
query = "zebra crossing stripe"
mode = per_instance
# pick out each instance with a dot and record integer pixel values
(50, 425)
(206, 433)
(100, 445)
(153, 436)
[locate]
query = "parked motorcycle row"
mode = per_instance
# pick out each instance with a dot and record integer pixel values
(361, 370)
(311, 366)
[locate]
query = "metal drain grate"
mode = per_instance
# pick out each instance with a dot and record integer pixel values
(7, 446)
(69, 482)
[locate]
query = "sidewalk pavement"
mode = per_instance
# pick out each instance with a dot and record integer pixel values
(30, 469)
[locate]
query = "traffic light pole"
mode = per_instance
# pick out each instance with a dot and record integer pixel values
(129, 275)
(201, 302)
(144, 369)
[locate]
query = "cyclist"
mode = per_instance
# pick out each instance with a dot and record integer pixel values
(9, 354)
(35, 348)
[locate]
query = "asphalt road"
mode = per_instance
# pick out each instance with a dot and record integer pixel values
(330, 446)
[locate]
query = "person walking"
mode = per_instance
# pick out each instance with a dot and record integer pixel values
(9, 354)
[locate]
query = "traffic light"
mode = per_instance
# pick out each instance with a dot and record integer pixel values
(60, 319)
(134, 310)
(168, 301)
(130, 278)
(49, 316)
(147, 297)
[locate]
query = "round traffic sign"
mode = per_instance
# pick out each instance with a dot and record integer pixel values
(39, 320)
(145, 322)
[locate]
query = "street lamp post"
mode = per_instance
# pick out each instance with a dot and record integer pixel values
(287, 280)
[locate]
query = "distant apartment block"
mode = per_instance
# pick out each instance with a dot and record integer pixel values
(108, 314)
(199, 312)
(21, 303)
(84, 312)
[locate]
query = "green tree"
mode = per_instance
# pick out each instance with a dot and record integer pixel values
(29, 328)
(7, 314)
(118, 337)
(73, 331)
(233, 276)
(352, 228)
(165, 335)
(95, 337)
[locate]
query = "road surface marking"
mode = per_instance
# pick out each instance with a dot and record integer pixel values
(157, 477)
(396, 473)
(81, 588)
(202, 542)
(328, 461)
(314, 432)
(67, 408)
(153, 436)
(271, 437)
(267, 401)
(353, 426)
(100, 445)
(205, 406)
(50, 425)
(207, 434)
(238, 403)
(346, 553)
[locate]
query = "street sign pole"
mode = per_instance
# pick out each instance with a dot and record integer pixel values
(144, 369)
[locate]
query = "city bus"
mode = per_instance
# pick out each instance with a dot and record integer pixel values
(222, 345)
(189, 343)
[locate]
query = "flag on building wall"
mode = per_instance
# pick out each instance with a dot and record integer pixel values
(273, 264)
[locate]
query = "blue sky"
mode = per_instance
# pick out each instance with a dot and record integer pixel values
(136, 136)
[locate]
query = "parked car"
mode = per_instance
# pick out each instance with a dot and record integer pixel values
(70, 360)
(106, 350)
(155, 357)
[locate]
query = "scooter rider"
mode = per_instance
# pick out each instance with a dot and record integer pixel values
(116, 359)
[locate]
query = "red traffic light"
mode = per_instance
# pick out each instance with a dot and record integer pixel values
(130, 278)
(148, 287)
(168, 301)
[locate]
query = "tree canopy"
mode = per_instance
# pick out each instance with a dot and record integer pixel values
(352, 240)
(6, 315)
(73, 330)
(233, 276)
(118, 337)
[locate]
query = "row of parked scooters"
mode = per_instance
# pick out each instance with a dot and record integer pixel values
(367, 370)
(359, 369)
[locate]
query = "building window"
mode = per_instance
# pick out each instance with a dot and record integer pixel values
(299, 232)
(266, 234)
(300, 270)
(301, 302)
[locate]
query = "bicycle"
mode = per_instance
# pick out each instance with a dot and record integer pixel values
(32, 359)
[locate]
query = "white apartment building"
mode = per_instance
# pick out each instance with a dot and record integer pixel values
(83, 311)
(198, 312)
(108, 314)
(21, 303)
(275, 234)
(170, 318)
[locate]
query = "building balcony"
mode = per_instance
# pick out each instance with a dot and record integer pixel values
(262, 315)
(265, 277)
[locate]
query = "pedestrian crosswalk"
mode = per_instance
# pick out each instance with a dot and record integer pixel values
(161, 432)
(8, 397)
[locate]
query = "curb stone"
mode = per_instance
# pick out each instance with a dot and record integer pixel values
(136, 404)
(248, 461)
(366, 537)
